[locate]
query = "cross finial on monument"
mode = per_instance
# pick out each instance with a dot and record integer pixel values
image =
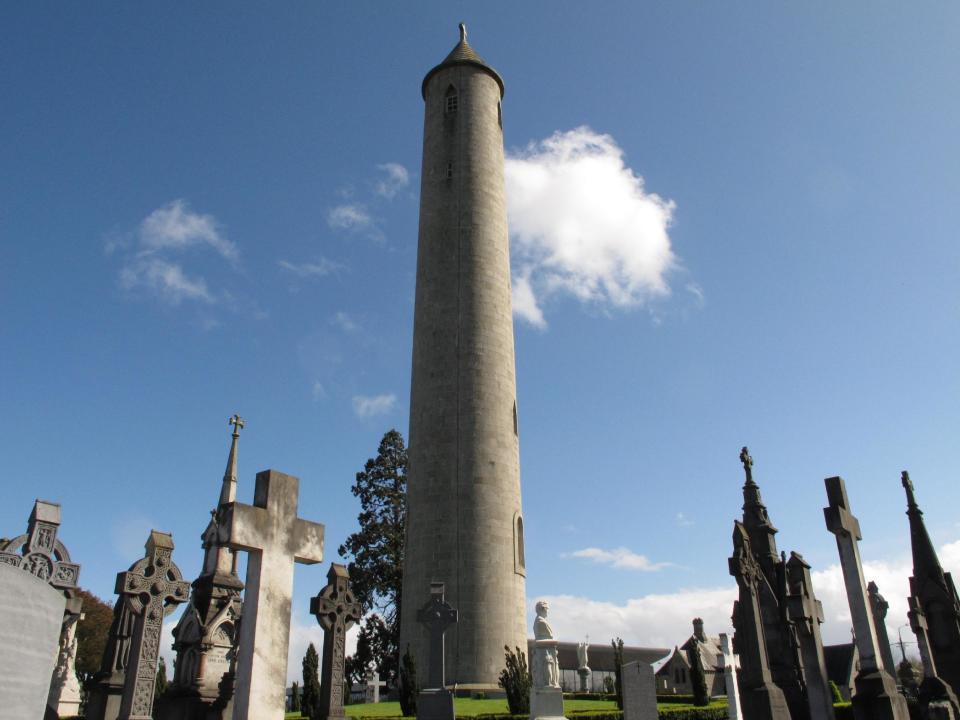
(238, 424)
(747, 463)
(336, 609)
(437, 615)
(908, 486)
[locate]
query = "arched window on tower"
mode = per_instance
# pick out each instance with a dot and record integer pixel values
(519, 554)
(451, 101)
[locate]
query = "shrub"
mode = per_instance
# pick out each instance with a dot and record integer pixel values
(516, 681)
(407, 684)
(700, 713)
(701, 698)
(617, 644)
(675, 699)
(609, 686)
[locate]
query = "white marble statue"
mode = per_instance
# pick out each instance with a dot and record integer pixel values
(582, 655)
(546, 669)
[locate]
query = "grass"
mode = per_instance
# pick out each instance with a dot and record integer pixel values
(468, 707)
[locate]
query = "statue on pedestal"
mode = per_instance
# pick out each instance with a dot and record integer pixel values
(546, 697)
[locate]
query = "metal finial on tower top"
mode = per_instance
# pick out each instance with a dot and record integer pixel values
(463, 32)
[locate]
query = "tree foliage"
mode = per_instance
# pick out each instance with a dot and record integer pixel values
(295, 697)
(617, 644)
(698, 679)
(92, 633)
(516, 681)
(375, 554)
(310, 700)
(407, 684)
(160, 687)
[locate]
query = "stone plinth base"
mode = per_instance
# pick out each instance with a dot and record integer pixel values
(584, 674)
(764, 703)
(104, 700)
(940, 710)
(877, 698)
(546, 703)
(435, 705)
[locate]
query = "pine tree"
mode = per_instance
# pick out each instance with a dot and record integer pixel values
(309, 704)
(295, 697)
(375, 554)
(617, 644)
(698, 678)
(516, 681)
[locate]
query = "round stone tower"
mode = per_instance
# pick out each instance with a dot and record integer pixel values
(464, 522)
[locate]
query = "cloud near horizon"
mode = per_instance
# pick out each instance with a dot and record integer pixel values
(582, 223)
(369, 406)
(620, 557)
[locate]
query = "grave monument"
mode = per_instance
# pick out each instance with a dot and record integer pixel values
(639, 691)
(935, 593)
(274, 539)
(730, 667)
(937, 696)
(435, 701)
(205, 638)
(464, 521)
(106, 687)
(877, 697)
(336, 609)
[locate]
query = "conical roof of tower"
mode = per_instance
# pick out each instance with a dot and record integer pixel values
(462, 54)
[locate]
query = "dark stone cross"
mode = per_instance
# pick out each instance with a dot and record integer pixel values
(336, 610)
(437, 615)
(151, 588)
(238, 424)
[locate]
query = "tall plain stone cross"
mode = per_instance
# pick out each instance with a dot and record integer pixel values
(374, 683)
(437, 615)
(275, 538)
(151, 588)
(876, 697)
(336, 609)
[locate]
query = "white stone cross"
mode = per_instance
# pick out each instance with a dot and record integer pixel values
(274, 538)
(374, 683)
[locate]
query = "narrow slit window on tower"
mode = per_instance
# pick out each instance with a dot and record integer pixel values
(449, 170)
(499, 116)
(451, 101)
(516, 424)
(519, 556)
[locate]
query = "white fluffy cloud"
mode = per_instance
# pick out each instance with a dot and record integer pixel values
(395, 178)
(165, 279)
(620, 557)
(583, 223)
(349, 217)
(368, 406)
(174, 226)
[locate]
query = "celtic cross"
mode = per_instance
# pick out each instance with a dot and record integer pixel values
(336, 609)
(151, 588)
(437, 615)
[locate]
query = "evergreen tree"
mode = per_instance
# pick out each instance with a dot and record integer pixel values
(408, 684)
(375, 554)
(310, 700)
(617, 644)
(516, 681)
(698, 678)
(295, 697)
(92, 634)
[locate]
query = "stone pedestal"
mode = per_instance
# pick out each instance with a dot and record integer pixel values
(877, 698)
(546, 703)
(584, 674)
(435, 704)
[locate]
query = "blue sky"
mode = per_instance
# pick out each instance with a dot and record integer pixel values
(208, 210)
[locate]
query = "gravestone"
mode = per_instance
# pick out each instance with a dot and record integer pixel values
(31, 614)
(435, 702)
(373, 685)
(760, 698)
(806, 614)
(274, 538)
(878, 609)
(106, 687)
(639, 691)
(336, 609)
(546, 697)
(40, 553)
(729, 662)
(877, 697)
(938, 696)
(152, 588)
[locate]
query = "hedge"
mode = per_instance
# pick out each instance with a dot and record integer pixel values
(675, 699)
(700, 713)
(589, 696)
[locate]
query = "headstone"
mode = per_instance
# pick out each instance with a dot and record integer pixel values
(878, 609)
(41, 553)
(32, 615)
(639, 691)
(877, 697)
(435, 702)
(374, 683)
(939, 697)
(274, 538)
(64, 697)
(583, 667)
(546, 697)
(760, 698)
(730, 664)
(106, 687)
(806, 614)
(336, 609)
(152, 588)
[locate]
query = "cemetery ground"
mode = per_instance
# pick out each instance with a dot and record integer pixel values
(471, 707)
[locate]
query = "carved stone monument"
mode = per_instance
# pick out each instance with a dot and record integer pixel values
(877, 697)
(936, 594)
(152, 588)
(274, 538)
(760, 698)
(373, 685)
(106, 687)
(583, 667)
(546, 697)
(939, 698)
(40, 553)
(336, 609)
(435, 702)
(730, 666)
(878, 609)
(806, 614)
(639, 691)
